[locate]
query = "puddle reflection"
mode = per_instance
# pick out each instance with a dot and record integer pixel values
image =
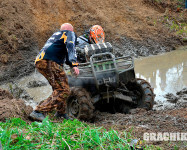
(167, 73)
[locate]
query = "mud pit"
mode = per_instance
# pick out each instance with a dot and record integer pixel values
(166, 116)
(169, 119)
(172, 119)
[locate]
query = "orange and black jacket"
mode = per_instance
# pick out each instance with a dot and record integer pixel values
(60, 48)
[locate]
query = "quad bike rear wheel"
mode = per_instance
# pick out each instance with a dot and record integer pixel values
(79, 104)
(143, 92)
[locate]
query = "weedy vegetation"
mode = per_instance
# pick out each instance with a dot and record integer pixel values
(175, 23)
(17, 134)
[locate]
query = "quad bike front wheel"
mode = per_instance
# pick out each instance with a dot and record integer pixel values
(79, 104)
(144, 95)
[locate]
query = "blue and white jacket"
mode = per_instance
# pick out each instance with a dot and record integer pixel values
(60, 48)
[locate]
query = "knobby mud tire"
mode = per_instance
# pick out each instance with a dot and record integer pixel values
(147, 95)
(84, 103)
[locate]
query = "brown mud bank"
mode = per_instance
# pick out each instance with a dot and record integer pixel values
(12, 108)
(134, 27)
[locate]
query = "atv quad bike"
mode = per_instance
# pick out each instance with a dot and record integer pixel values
(106, 83)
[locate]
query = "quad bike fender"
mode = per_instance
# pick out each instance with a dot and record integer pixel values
(127, 76)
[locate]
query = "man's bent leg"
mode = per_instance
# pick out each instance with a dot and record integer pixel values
(44, 67)
(62, 89)
(59, 82)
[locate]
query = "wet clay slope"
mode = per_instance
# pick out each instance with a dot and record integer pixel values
(25, 25)
(11, 107)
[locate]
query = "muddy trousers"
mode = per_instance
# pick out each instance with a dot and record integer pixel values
(57, 78)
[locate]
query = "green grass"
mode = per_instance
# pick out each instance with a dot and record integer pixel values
(16, 134)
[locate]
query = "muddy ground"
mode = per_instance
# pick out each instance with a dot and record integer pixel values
(172, 118)
(154, 121)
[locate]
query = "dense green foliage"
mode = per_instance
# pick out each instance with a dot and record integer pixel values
(17, 134)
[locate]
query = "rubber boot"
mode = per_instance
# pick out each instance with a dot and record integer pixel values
(65, 116)
(37, 116)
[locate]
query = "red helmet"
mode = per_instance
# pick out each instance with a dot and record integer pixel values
(97, 34)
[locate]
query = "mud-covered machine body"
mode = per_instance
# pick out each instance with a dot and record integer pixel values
(106, 83)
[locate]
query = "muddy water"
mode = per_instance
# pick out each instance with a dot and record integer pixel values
(37, 93)
(167, 73)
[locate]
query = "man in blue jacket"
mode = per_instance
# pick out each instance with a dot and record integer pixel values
(59, 49)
